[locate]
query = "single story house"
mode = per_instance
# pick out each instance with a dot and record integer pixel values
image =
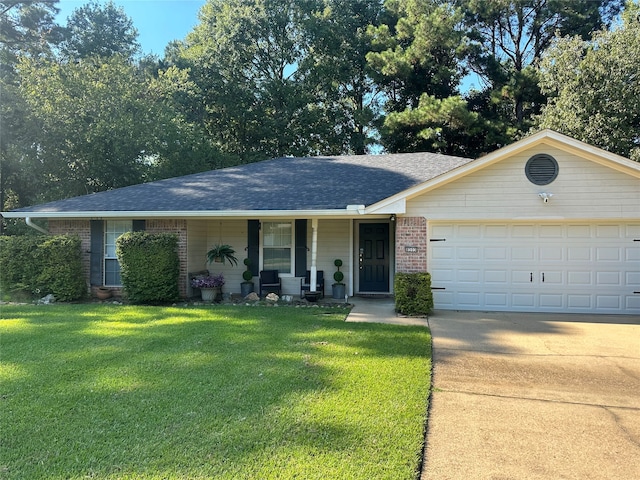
(546, 224)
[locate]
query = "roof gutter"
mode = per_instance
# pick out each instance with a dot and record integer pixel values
(350, 211)
(34, 226)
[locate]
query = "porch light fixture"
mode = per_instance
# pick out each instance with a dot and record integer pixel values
(392, 218)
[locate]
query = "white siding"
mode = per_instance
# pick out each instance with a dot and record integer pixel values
(333, 242)
(583, 189)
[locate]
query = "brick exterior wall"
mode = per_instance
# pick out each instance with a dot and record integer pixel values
(82, 228)
(411, 232)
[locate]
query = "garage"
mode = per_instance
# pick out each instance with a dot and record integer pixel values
(573, 267)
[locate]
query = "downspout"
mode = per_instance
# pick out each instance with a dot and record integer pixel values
(34, 226)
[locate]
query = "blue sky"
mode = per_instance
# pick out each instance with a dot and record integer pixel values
(158, 21)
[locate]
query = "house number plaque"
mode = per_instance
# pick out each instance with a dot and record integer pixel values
(411, 249)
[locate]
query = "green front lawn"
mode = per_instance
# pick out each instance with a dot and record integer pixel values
(224, 392)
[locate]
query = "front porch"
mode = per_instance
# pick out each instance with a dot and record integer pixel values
(367, 250)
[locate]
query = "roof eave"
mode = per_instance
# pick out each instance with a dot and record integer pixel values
(352, 211)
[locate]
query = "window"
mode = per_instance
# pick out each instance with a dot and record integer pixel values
(541, 169)
(113, 229)
(277, 251)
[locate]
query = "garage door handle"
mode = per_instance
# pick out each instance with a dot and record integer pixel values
(542, 277)
(531, 277)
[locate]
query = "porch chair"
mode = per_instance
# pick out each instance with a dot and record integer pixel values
(305, 283)
(270, 282)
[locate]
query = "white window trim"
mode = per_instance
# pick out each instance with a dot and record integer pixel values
(104, 252)
(292, 249)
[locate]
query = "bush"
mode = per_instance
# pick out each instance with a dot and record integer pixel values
(39, 265)
(149, 266)
(61, 268)
(413, 293)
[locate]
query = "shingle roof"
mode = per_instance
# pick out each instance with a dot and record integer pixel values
(288, 183)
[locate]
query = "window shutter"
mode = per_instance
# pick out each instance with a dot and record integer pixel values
(97, 254)
(301, 247)
(253, 245)
(138, 225)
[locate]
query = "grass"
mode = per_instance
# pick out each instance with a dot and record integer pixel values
(224, 392)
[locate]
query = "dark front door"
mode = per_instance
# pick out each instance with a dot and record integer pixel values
(373, 257)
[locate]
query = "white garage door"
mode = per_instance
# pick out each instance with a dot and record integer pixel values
(536, 267)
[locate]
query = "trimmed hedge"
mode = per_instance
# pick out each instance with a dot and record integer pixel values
(40, 265)
(149, 266)
(413, 293)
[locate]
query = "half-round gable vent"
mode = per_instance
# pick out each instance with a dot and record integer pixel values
(541, 169)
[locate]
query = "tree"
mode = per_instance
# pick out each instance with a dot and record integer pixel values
(245, 59)
(338, 62)
(506, 40)
(27, 28)
(105, 125)
(417, 59)
(594, 87)
(96, 30)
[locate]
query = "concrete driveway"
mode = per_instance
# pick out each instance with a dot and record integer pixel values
(534, 396)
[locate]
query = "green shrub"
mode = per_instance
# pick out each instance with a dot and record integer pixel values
(413, 293)
(39, 265)
(149, 266)
(61, 268)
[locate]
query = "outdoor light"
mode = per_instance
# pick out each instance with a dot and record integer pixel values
(545, 196)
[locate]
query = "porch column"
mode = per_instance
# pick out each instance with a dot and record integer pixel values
(314, 254)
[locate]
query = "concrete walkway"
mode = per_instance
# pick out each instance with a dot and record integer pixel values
(534, 396)
(379, 310)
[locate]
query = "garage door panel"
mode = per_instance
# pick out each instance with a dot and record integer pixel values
(521, 277)
(523, 254)
(608, 279)
(551, 254)
(496, 300)
(579, 301)
(608, 254)
(548, 267)
(496, 276)
(551, 300)
(496, 254)
(579, 278)
(579, 254)
(552, 277)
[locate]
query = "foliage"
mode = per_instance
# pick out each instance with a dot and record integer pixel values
(413, 293)
(61, 272)
(18, 268)
(338, 276)
(218, 392)
(505, 41)
(222, 253)
(209, 281)
(149, 266)
(40, 265)
(437, 125)
(247, 275)
(27, 28)
(594, 87)
(99, 30)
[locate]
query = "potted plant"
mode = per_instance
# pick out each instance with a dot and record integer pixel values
(210, 286)
(247, 286)
(338, 287)
(221, 253)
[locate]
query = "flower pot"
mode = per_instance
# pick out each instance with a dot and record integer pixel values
(210, 294)
(103, 293)
(338, 290)
(312, 296)
(246, 288)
